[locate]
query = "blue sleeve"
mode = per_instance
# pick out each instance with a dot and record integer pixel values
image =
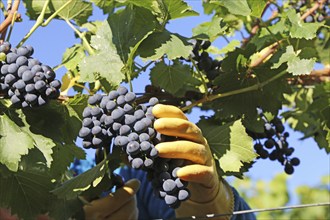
(152, 207)
(241, 205)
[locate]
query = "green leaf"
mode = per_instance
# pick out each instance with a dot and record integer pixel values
(229, 143)
(106, 63)
(257, 7)
(106, 5)
(63, 156)
(77, 104)
(44, 144)
(72, 56)
(299, 29)
(151, 5)
(296, 66)
(178, 9)
(66, 209)
(73, 187)
(26, 193)
(172, 78)
(79, 10)
(158, 44)
(210, 29)
(14, 143)
(237, 7)
(128, 27)
(301, 66)
(34, 7)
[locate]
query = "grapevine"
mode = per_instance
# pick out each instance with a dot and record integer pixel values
(249, 75)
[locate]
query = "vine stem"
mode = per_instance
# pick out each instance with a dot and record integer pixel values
(5, 24)
(40, 20)
(234, 92)
(312, 9)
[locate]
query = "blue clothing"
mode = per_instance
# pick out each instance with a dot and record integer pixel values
(152, 207)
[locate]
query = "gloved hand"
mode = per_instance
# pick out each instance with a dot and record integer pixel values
(118, 205)
(209, 194)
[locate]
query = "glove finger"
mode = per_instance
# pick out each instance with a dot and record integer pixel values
(183, 149)
(198, 174)
(103, 207)
(167, 111)
(128, 212)
(179, 128)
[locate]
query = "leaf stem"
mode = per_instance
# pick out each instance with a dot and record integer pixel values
(200, 74)
(36, 24)
(234, 92)
(273, 35)
(55, 13)
(84, 87)
(82, 37)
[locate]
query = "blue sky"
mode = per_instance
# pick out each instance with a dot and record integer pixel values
(50, 43)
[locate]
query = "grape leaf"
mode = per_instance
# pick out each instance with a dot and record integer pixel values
(301, 66)
(172, 78)
(105, 63)
(323, 47)
(299, 29)
(34, 7)
(177, 9)
(210, 29)
(73, 187)
(257, 7)
(11, 133)
(44, 144)
(128, 27)
(311, 113)
(63, 156)
(106, 5)
(232, 105)
(66, 209)
(158, 44)
(151, 5)
(72, 56)
(79, 10)
(229, 143)
(296, 66)
(26, 193)
(237, 7)
(77, 104)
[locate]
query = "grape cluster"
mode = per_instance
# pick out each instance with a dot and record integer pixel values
(205, 62)
(275, 145)
(117, 120)
(24, 79)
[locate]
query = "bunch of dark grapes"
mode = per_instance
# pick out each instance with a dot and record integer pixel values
(272, 144)
(205, 62)
(116, 120)
(24, 79)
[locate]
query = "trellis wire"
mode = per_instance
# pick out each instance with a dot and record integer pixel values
(210, 216)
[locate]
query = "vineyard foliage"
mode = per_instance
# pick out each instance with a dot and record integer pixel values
(279, 67)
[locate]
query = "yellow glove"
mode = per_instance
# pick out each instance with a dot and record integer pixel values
(209, 194)
(118, 205)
